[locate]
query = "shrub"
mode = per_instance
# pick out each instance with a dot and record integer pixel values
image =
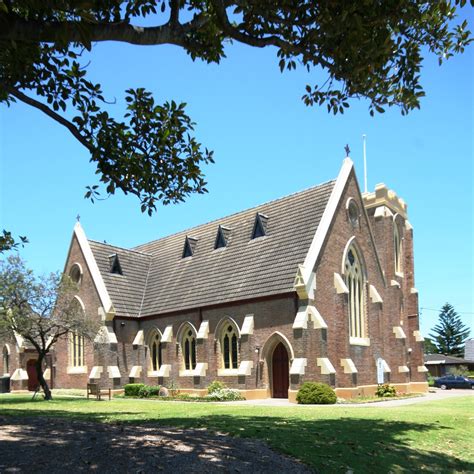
(316, 393)
(215, 386)
(431, 380)
(132, 389)
(225, 394)
(386, 390)
(149, 391)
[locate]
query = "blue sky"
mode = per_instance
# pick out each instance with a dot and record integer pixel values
(267, 144)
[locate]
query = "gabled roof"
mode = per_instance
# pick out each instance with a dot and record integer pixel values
(156, 279)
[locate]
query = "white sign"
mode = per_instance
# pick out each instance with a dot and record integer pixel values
(380, 371)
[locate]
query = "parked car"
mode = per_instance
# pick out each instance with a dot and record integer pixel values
(453, 381)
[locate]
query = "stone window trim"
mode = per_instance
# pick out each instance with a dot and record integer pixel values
(155, 350)
(187, 347)
(228, 336)
(356, 281)
(79, 370)
(76, 353)
(398, 225)
(353, 212)
(76, 273)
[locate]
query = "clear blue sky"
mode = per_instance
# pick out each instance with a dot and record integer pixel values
(267, 144)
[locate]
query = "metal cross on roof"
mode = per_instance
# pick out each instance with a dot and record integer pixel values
(347, 150)
(78, 218)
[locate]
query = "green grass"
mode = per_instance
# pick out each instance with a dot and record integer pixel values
(432, 436)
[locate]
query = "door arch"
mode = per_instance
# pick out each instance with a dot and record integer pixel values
(280, 371)
(32, 376)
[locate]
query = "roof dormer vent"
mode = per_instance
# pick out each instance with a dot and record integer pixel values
(189, 246)
(260, 226)
(114, 263)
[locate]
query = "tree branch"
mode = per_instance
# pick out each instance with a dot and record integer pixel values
(51, 113)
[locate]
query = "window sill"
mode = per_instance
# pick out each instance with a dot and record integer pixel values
(227, 372)
(6, 374)
(359, 341)
(152, 373)
(186, 373)
(399, 274)
(77, 370)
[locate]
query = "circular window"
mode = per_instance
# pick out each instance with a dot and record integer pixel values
(76, 273)
(353, 212)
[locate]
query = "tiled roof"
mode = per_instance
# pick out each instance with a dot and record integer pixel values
(244, 269)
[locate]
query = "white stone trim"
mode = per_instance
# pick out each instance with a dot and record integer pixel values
(96, 372)
(359, 341)
(245, 367)
(386, 368)
(106, 335)
(76, 370)
(326, 366)
(422, 368)
(200, 370)
(301, 318)
(135, 372)
(326, 219)
(374, 295)
(167, 334)
(340, 285)
(394, 283)
(403, 369)
(113, 371)
(19, 374)
(413, 291)
(399, 332)
(349, 366)
(203, 332)
(382, 211)
(248, 325)
(139, 339)
(165, 370)
(418, 336)
(93, 268)
(298, 366)
(20, 342)
(186, 373)
(227, 372)
(152, 373)
(408, 225)
(47, 373)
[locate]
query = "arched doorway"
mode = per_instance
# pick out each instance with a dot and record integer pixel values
(32, 376)
(280, 371)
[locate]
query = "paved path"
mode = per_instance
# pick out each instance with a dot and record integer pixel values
(436, 394)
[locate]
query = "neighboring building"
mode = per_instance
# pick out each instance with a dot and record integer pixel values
(315, 286)
(440, 364)
(469, 350)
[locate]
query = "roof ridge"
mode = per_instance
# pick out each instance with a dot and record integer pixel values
(271, 201)
(121, 248)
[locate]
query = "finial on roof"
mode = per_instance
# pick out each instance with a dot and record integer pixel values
(78, 218)
(347, 150)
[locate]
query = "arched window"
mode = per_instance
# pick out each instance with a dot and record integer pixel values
(356, 285)
(397, 244)
(6, 360)
(76, 350)
(188, 348)
(229, 346)
(156, 351)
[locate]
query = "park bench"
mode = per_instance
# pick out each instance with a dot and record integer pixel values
(94, 390)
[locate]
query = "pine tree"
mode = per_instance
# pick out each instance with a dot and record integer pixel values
(450, 333)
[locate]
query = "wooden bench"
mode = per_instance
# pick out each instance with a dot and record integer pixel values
(94, 390)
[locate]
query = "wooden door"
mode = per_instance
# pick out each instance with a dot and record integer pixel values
(32, 376)
(280, 372)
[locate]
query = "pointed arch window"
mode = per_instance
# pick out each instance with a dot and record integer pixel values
(355, 282)
(188, 348)
(156, 351)
(229, 347)
(6, 360)
(397, 244)
(76, 349)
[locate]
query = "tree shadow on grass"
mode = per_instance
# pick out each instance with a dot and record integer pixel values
(327, 445)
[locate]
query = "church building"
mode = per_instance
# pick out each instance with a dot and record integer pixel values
(315, 286)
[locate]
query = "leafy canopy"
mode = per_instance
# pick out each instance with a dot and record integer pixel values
(368, 49)
(450, 333)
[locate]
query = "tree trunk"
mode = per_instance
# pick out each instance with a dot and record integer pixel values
(41, 380)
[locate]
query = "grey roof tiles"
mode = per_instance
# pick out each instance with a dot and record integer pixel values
(156, 279)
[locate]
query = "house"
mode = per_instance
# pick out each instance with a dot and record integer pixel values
(440, 364)
(315, 286)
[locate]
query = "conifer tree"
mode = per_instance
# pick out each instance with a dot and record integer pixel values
(450, 333)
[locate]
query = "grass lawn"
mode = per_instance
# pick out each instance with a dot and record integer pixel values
(432, 436)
